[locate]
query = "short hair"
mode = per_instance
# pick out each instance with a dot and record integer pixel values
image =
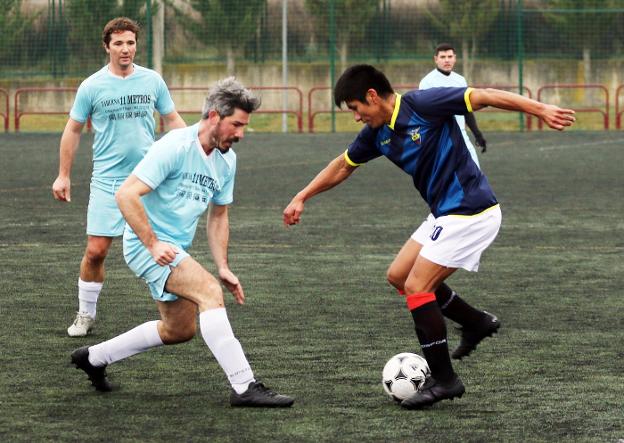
(357, 80)
(119, 24)
(226, 96)
(444, 47)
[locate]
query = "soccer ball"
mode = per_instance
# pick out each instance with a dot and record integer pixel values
(404, 374)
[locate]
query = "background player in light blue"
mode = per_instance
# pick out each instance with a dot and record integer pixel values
(418, 133)
(183, 174)
(444, 76)
(120, 100)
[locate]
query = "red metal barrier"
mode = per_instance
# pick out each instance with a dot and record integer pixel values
(312, 115)
(298, 113)
(618, 111)
(5, 114)
(512, 88)
(24, 91)
(400, 88)
(605, 112)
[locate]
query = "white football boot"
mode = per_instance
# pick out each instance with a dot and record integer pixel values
(81, 326)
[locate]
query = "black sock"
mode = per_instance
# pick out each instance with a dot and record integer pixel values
(453, 307)
(431, 331)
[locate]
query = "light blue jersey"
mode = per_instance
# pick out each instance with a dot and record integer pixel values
(122, 115)
(184, 181)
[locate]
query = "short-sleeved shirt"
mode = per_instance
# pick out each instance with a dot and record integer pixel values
(435, 79)
(122, 115)
(424, 140)
(184, 181)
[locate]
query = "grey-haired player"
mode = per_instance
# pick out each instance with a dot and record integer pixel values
(183, 174)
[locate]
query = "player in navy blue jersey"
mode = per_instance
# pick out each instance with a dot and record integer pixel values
(417, 131)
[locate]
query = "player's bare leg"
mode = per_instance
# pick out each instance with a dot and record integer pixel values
(177, 321)
(420, 285)
(177, 325)
(191, 281)
(475, 324)
(402, 265)
(90, 284)
(197, 290)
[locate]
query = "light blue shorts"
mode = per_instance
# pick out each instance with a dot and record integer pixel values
(143, 265)
(104, 218)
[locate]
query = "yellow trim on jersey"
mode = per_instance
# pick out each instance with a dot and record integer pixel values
(474, 215)
(349, 161)
(467, 98)
(395, 113)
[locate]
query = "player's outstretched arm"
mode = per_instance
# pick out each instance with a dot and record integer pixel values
(337, 171)
(554, 116)
(61, 188)
(218, 231)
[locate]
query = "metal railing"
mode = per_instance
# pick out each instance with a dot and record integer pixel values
(601, 88)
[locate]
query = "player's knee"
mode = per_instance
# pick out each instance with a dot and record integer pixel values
(412, 287)
(179, 332)
(395, 279)
(213, 291)
(96, 253)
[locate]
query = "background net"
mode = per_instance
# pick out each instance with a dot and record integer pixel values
(519, 44)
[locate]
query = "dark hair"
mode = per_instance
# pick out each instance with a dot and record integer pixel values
(119, 24)
(226, 96)
(357, 80)
(444, 47)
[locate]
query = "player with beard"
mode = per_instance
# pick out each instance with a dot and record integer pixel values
(183, 174)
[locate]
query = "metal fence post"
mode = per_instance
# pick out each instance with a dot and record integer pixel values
(332, 57)
(520, 50)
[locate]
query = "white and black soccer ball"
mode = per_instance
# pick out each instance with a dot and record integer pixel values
(404, 374)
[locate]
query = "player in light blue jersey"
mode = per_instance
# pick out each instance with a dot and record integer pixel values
(183, 174)
(417, 131)
(444, 76)
(120, 99)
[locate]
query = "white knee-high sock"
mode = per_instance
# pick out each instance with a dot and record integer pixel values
(218, 335)
(136, 340)
(88, 293)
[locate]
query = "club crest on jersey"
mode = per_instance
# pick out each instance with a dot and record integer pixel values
(415, 135)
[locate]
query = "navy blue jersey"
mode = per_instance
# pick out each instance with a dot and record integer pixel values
(424, 140)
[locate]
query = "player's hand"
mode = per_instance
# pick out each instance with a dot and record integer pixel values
(481, 142)
(292, 213)
(230, 281)
(61, 189)
(556, 117)
(163, 253)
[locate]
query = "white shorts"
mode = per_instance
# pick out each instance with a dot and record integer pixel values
(457, 241)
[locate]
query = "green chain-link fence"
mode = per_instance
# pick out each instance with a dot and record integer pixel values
(520, 44)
